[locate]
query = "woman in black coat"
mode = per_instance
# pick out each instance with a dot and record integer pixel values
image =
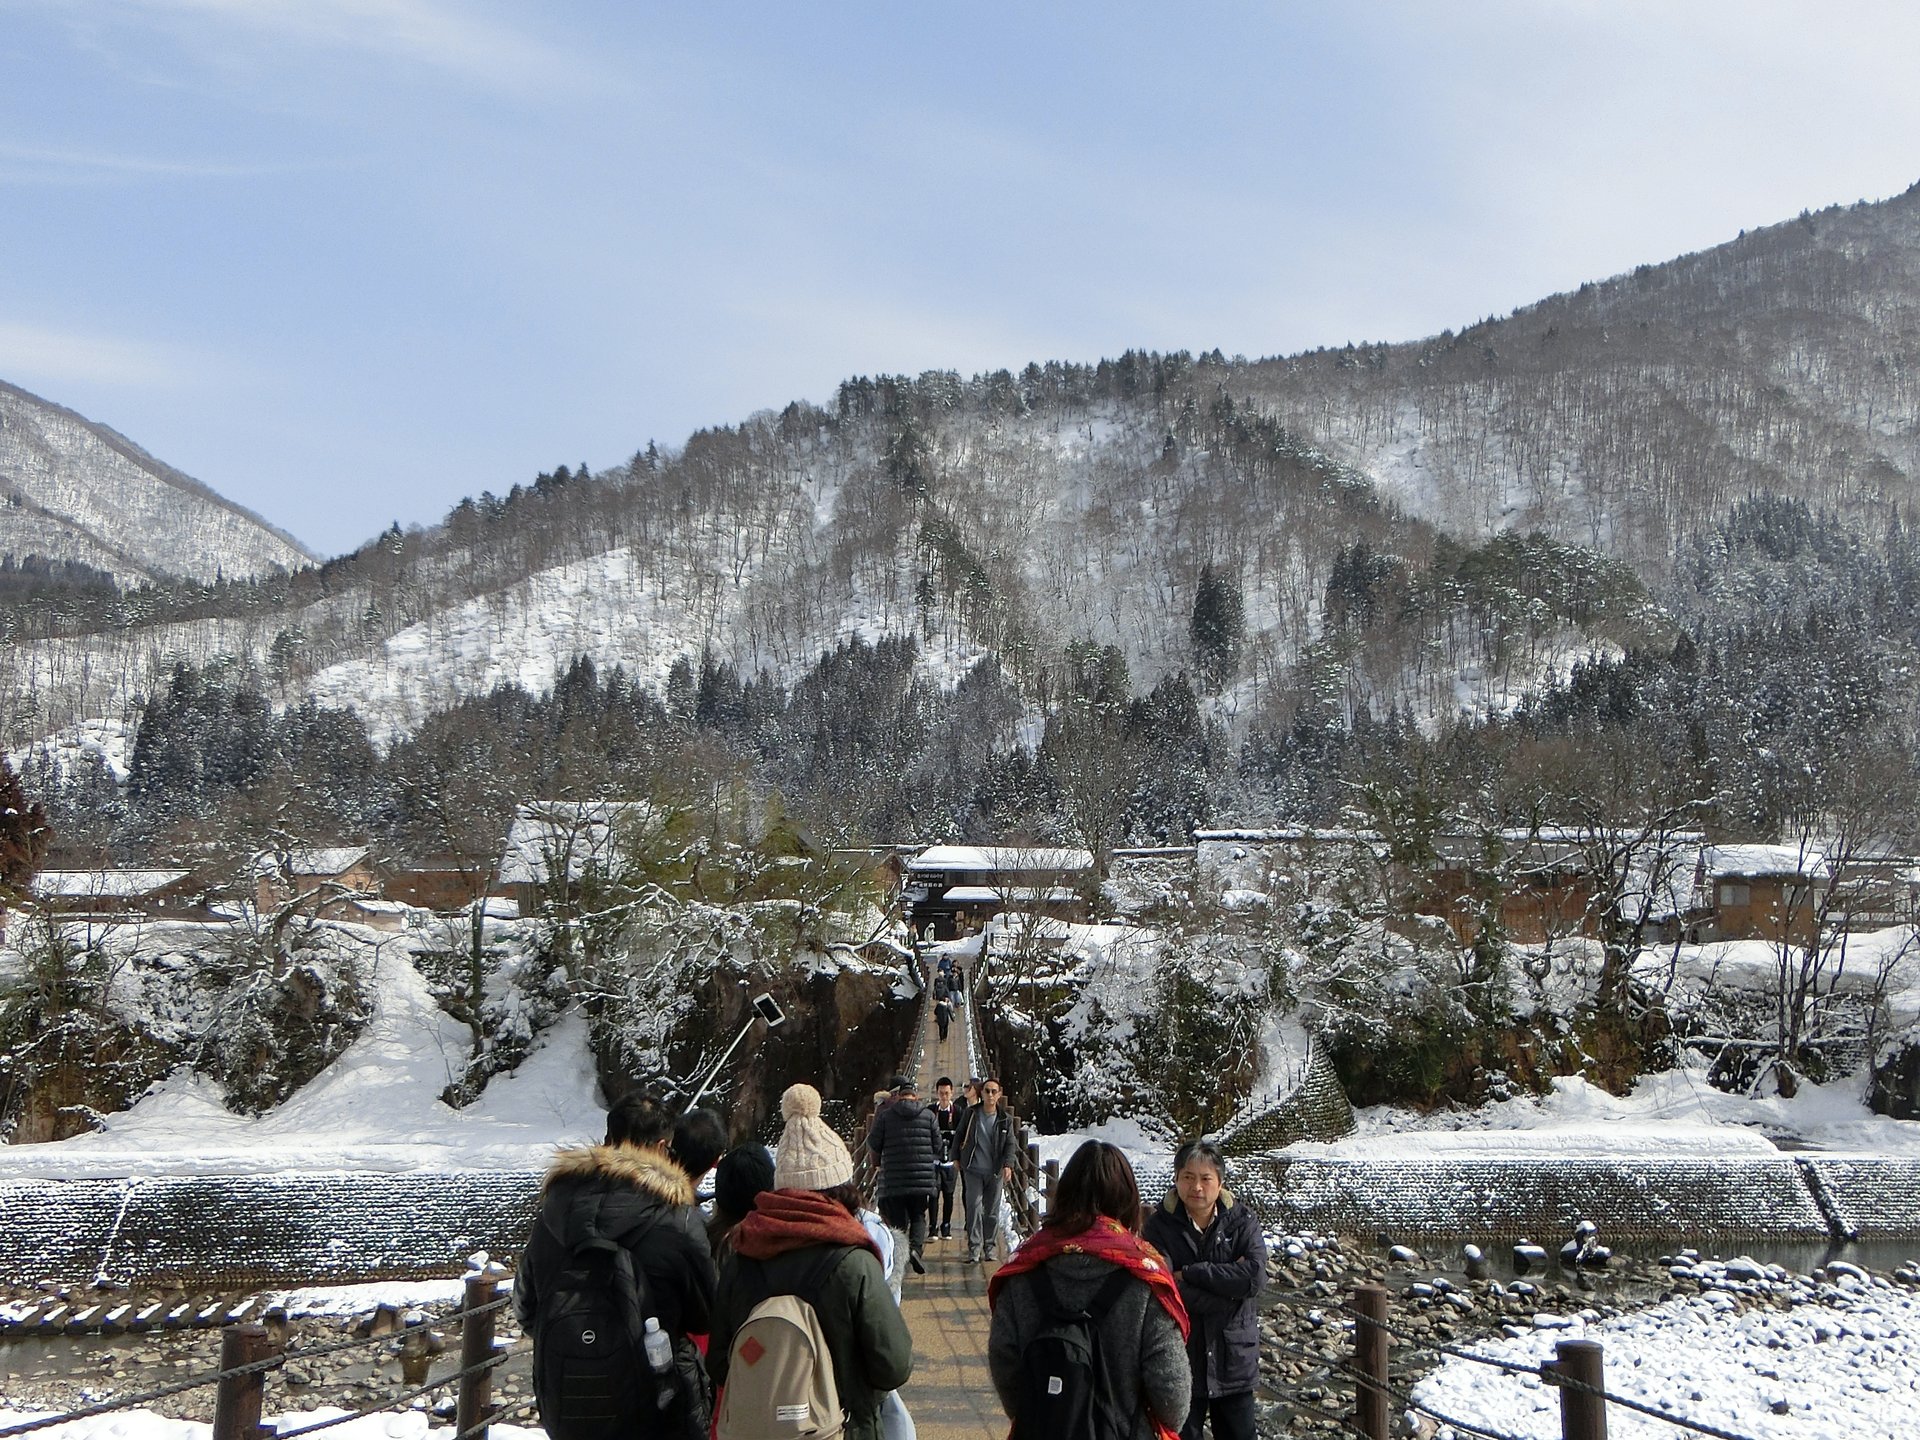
(1219, 1260)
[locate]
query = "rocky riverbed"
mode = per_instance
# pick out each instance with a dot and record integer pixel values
(1307, 1333)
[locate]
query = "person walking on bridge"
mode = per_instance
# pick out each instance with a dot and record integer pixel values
(986, 1152)
(947, 1115)
(905, 1138)
(616, 1220)
(801, 1238)
(1219, 1260)
(1087, 1260)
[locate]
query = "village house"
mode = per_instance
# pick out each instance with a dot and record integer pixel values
(117, 895)
(1791, 893)
(953, 890)
(444, 884)
(327, 882)
(570, 841)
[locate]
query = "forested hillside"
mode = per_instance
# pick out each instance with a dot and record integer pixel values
(1102, 602)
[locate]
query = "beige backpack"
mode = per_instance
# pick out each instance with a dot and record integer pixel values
(780, 1383)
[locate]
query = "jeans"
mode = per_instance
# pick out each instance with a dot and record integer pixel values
(908, 1213)
(980, 1198)
(1232, 1415)
(949, 1178)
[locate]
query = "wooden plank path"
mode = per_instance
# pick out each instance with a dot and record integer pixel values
(950, 1395)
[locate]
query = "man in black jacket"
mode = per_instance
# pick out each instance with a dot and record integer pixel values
(905, 1138)
(1219, 1260)
(629, 1192)
(947, 1114)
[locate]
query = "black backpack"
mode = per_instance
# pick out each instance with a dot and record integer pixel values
(1064, 1391)
(590, 1372)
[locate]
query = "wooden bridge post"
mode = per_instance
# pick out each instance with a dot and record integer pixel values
(1583, 1406)
(473, 1406)
(238, 1399)
(1370, 1361)
(1052, 1168)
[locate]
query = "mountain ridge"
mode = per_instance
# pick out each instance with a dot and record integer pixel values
(101, 499)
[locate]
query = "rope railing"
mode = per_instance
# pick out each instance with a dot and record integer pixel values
(1556, 1373)
(237, 1406)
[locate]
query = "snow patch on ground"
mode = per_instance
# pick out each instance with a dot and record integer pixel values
(1841, 1363)
(1674, 1113)
(377, 1107)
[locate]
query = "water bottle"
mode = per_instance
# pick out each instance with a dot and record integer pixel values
(659, 1360)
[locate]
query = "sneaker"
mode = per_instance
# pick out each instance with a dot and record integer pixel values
(973, 1257)
(946, 1232)
(918, 1265)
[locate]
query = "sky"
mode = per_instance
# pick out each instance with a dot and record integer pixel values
(348, 261)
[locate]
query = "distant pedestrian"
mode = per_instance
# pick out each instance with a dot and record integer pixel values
(985, 1153)
(1087, 1261)
(1219, 1260)
(943, 1016)
(947, 1114)
(905, 1139)
(802, 1240)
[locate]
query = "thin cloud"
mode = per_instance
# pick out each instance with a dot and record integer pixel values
(36, 356)
(454, 40)
(49, 165)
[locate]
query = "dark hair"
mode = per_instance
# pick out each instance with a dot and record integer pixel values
(943, 1080)
(1097, 1181)
(638, 1119)
(847, 1192)
(699, 1137)
(742, 1173)
(1204, 1150)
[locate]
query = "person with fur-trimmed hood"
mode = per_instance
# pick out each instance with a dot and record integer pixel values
(1219, 1260)
(628, 1191)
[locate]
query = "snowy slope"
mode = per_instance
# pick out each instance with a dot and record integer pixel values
(75, 490)
(377, 1107)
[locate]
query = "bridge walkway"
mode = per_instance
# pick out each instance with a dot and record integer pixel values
(950, 1395)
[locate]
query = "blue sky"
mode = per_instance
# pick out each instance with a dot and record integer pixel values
(347, 261)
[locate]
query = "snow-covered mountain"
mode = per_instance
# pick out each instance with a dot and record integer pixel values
(74, 490)
(1014, 514)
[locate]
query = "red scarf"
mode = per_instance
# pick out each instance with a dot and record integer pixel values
(783, 1220)
(1106, 1239)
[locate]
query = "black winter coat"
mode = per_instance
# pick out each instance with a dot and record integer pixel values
(610, 1190)
(906, 1139)
(1221, 1272)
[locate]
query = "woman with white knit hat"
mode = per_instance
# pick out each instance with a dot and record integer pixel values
(802, 1239)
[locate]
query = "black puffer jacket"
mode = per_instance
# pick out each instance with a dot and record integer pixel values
(611, 1190)
(906, 1138)
(1220, 1272)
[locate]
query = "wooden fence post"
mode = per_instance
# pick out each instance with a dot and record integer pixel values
(1052, 1168)
(1370, 1361)
(238, 1398)
(474, 1404)
(1583, 1408)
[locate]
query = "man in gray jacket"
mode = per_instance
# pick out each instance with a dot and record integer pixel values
(986, 1153)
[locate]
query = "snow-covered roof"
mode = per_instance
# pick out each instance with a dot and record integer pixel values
(323, 860)
(1765, 860)
(103, 884)
(1015, 894)
(988, 859)
(1285, 835)
(582, 833)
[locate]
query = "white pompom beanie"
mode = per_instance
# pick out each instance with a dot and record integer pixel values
(809, 1156)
